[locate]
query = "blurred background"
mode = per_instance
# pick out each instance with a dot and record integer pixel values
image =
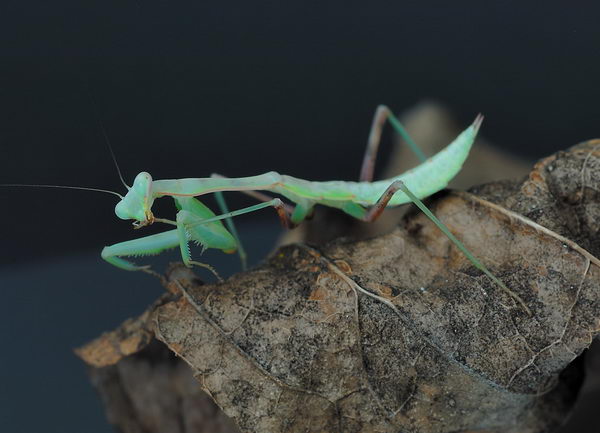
(185, 89)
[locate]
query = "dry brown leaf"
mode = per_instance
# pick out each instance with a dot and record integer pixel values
(154, 392)
(401, 332)
(111, 347)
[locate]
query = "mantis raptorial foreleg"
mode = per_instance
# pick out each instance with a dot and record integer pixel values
(146, 246)
(191, 211)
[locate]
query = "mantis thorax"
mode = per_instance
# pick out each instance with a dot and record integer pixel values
(137, 203)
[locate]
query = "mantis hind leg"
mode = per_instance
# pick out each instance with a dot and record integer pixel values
(460, 245)
(382, 114)
(375, 211)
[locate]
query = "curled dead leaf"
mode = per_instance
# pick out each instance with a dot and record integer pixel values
(401, 332)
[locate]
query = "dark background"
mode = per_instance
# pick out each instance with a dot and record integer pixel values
(188, 88)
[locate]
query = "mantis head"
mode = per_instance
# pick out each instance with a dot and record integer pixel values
(137, 203)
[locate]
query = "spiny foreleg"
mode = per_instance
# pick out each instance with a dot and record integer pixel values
(146, 246)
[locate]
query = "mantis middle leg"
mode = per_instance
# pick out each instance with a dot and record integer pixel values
(287, 220)
(232, 229)
(229, 221)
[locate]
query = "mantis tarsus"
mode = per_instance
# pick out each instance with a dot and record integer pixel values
(364, 200)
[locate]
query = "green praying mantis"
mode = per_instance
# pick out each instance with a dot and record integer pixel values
(364, 200)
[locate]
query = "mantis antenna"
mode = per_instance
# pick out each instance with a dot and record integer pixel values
(104, 134)
(112, 153)
(81, 188)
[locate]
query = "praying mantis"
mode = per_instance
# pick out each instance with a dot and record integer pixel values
(364, 200)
